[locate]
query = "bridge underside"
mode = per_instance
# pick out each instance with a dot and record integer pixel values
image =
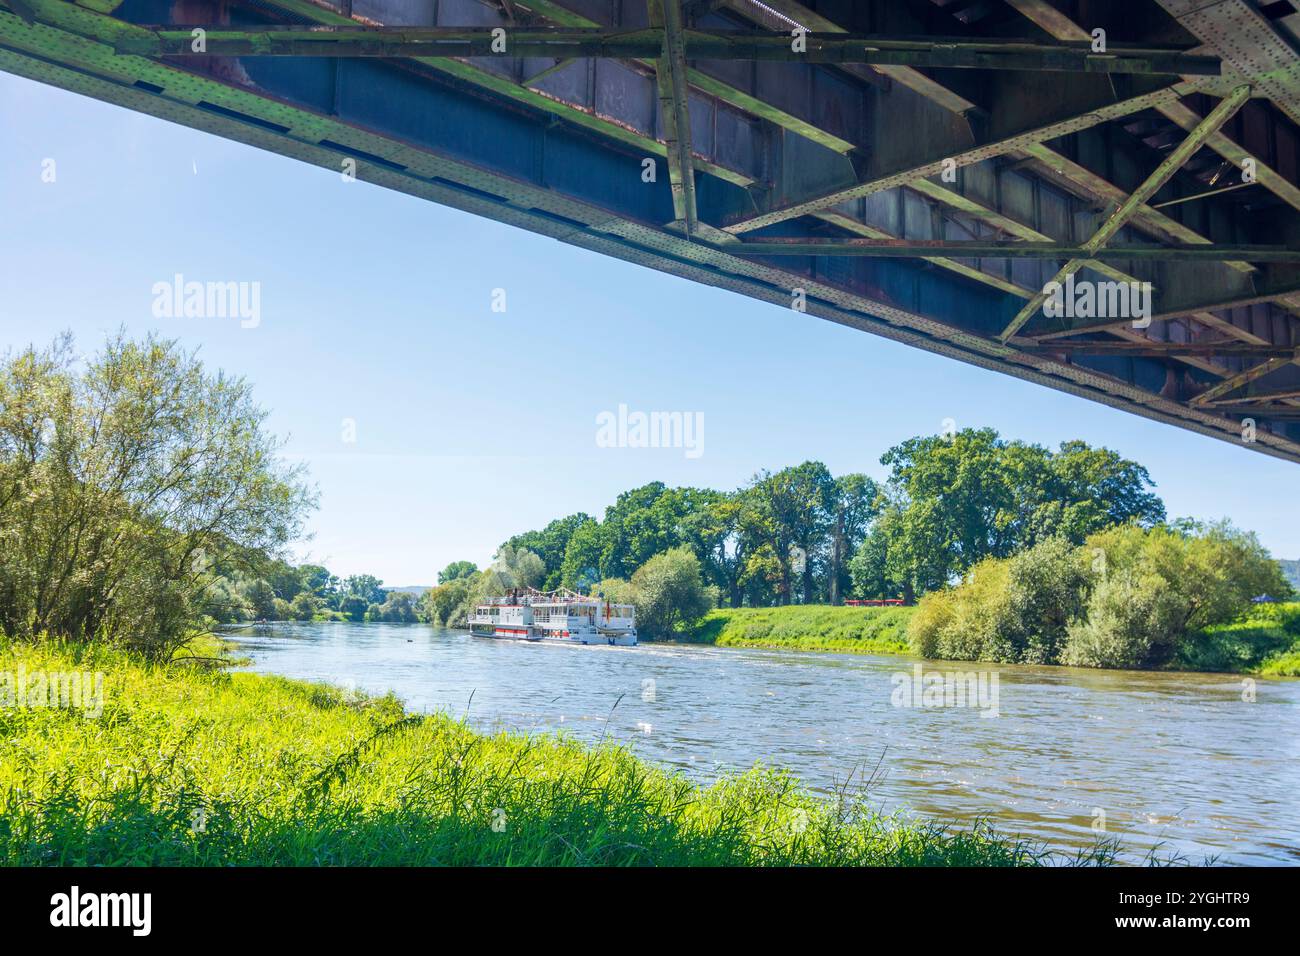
(920, 169)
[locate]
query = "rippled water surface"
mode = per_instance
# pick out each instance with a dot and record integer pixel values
(1179, 762)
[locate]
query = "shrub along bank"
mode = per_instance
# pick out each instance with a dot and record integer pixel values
(1167, 597)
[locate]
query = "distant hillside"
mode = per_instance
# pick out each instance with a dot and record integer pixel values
(1292, 571)
(415, 590)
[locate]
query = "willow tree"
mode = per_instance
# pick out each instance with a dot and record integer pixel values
(121, 481)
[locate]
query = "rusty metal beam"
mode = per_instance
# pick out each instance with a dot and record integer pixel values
(1276, 413)
(922, 162)
(520, 91)
(1153, 347)
(670, 78)
(1248, 41)
(813, 125)
(412, 41)
(865, 295)
(1240, 379)
(1171, 163)
(1001, 249)
(1276, 396)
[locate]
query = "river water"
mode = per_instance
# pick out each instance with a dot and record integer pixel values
(1185, 764)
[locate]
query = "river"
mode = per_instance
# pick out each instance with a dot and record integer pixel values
(1185, 764)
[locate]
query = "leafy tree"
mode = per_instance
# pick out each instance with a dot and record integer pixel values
(854, 507)
(1214, 569)
(582, 556)
(615, 590)
(365, 586)
(713, 532)
(954, 500)
(318, 581)
(285, 580)
(303, 607)
(398, 608)
(119, 480)
(550, 544)
(442, 602)
(517, 568)
(261, 598)
(669, 592)
(792, 513)
(1134, 619)
(354, 607)
(636, 530)
(457, 570)
(1129, 597)
(874, 575)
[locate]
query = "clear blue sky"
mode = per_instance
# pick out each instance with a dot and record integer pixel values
(471, 424)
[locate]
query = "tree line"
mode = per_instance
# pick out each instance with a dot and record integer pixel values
(142, 499)
(802, 535)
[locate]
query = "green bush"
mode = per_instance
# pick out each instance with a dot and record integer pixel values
(933, 616)
(1015, 610)
(669, 593)
(1130, 597)
(1048, 584)
(303, 606)
(1133, 620)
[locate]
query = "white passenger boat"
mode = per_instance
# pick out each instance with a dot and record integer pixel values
(563, 616)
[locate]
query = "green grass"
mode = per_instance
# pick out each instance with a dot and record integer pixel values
(808, 627)
(1265, 642)
(194, 766)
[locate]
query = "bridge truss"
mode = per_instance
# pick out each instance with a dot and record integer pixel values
(926, 170)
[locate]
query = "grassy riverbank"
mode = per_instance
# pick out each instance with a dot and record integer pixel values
(1265, 642)
(188, 765)
(808, 627)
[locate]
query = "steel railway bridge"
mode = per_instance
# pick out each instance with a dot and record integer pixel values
(921, 169)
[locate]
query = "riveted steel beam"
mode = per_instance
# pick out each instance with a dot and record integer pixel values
(907, 248)
(1249, 398)
(1241, 378)
(1152, 347)
(670, 78)
(412, 41)
(553, 90)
